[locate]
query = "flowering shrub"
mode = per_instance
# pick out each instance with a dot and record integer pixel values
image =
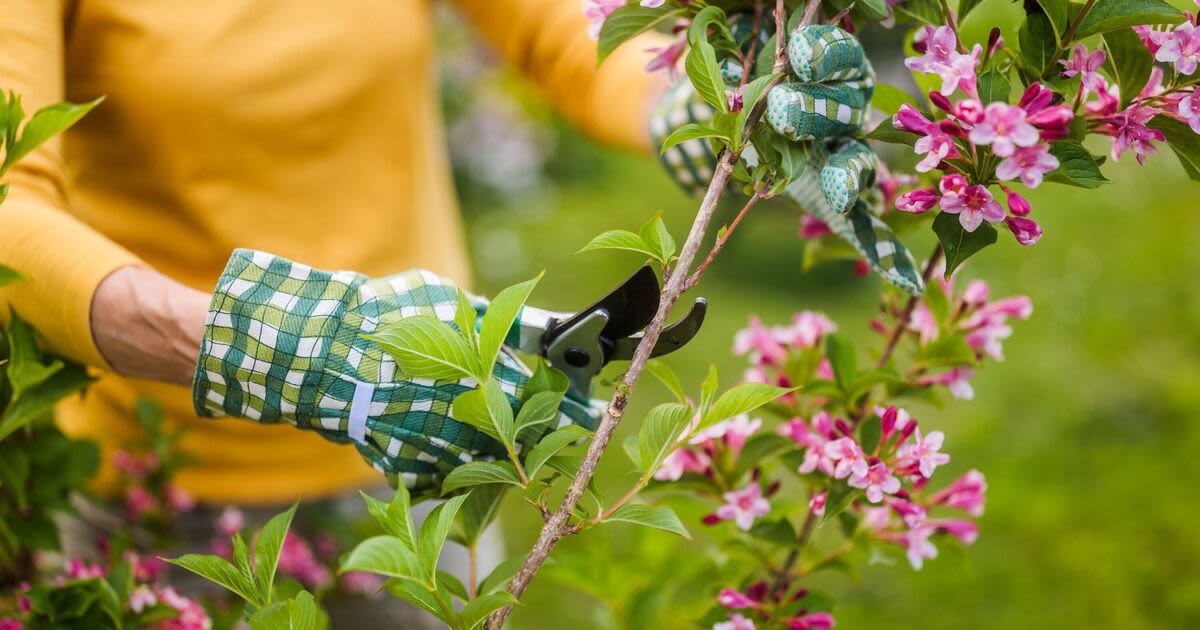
(146, 468)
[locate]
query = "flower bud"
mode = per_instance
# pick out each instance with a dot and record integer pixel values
(969, 110)
(994, 41)
(941, 102)
(1036, 98)
(1017, 204)
(976, 293)
(1056, 117)
(1026, 230)
(917, 201)
(951, 128)
(954, 183)
(909, 119)
(734, 99)
(887, 421)
(816, 505)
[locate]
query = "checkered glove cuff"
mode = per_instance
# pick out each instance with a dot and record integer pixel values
(284, 343)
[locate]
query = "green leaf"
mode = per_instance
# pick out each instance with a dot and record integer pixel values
(1076, 166)
(1039, 44)
(959, 244)
(626, 23)
(25, 367)
(544, 379)
(498, 320)
(619, 239)
(38, 401)
(938, 305)
(741, 399)
(551, 445)
(434, 531)
(8, 275)
(385, 555)
(420, 597)
(708, 389)
(993, 86)
(479, 472)
(45, 124)
(1128, 62)
(885, 131)
(920, 11)
(758, 448)
(501, 575)
(658, 517)
(395, 517)
(705, 75)
(298, 613)
(965, 7)
(842, 358)
(538, 410)
(14, 473)
(777, 532)
(948, 351)
(477, 513)
(659, 432)
(267, 547)
(476, 612)
(467, 318)
(710, 16)
(1183, 141)
(655, 235)
(690, 131)
(1110, 15)
(667, 376)
(487, 409)
(888, 99)
(751, 94)
(1058, 14)
(426, 347)
(220, 571)
(452, 584)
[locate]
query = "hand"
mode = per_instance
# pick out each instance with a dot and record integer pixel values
(284, 343)
(822, 104)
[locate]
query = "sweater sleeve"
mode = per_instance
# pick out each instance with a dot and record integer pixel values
(547, 40)
(62, 259)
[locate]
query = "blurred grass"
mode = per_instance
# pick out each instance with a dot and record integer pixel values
(1087, 433)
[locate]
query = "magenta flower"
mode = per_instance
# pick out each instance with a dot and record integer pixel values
(916, 541)
(923, 453)
(816, 504)
(761, 344)
(178, 498)
(680, 461)
(667, 57)
(811, 621)
(967, 493)
(936, 146)
(597, 11)
(1085, 65)
(943, 59)
(1107, 101)
(191, 614)
(808, 327)
(1005, 128)
(923, 323)
(361, 583)
(736, 600)
(1019, 206)
(743, 506)
(296, 559)
(1182, 48)
(231, 521)
(732, 432)
(956, 380)
(977, 291)
(908, 118)
(969, 111)
(973, 206)
(1152, 39)
(1027, 231)
(1189, 110)
(10, 623)
(848, 458)
(917, 201)
(736, 622)
(877, 481)
(952, 183)
(964, 530)
(1129, 131)
(141, 598)
(1028, 163)
(911, 513)
(811, 228)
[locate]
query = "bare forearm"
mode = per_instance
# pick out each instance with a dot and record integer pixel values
(147, 325)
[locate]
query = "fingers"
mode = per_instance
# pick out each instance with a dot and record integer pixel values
(849, 171)
(822, 53)
(833, 87)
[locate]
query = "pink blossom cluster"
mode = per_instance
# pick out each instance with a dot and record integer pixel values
(756, 601)
(146, 497)
(768, 348)
(297, 558)
(892, 475)
(983, 323)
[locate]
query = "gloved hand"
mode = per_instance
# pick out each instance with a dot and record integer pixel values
(823, 104)
(284, 343)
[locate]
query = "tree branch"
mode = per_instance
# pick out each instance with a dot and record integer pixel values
(559, 524)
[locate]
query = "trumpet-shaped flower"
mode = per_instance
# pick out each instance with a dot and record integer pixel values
(743, 506)
(923, 453)
(1028, 163)
(1004, 127)
(1085, 65)
(973, 206)
(877, 481)
(1182, 48)
(957, 70)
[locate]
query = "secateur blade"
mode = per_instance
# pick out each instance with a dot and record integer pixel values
(672, 338)
(630, 307)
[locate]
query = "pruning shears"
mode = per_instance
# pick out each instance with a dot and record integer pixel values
(580, 344)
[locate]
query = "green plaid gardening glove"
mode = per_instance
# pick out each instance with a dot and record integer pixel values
(823, 105)
(284, 342)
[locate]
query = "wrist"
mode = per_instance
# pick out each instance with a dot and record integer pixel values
(147, 325)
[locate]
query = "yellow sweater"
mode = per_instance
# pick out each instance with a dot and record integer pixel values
(309, 129)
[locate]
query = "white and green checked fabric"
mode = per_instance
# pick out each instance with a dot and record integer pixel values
(690, 163)
(833, 88)
(284, 342)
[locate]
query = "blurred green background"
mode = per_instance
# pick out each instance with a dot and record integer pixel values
(1087, 433)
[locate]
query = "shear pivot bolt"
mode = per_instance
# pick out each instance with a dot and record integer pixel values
(577, 357)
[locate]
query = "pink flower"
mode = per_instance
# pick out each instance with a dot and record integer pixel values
(848, 457)
(973, 207)
(761, 344)
(987, 337)
(1019, 206)
(667, 57)
(1085, 65)
(943, 59)
(812, 621)
(952, 183)
(178, 498)
(808, 328)
(731, 598)
(917, 201)
(969, 110)
(733, 432)
(138, 502)
(1189, 110)
(1182, 48)
(361, 583)
(816, 504)
(916, 541)
(967, 493)
(890, 183)
(1005, 128)
(923, 323)
(811, 228)
(136, 466)
(1036, 98)
(1107, 101)
(923, 453)
(977, 291)
(1028, 163)
(680, 461)
(1129, 131)
(908, 118)
(597, 11)
(191, 615)
(652, 4)
(743, 506)
(145, 568)
(877, 481)
(1152, 39)
(876, 518)
(911, 513)
(957, 380)
(141, 598)
(9, 623)
(964, 530)
(736, 622)
(296, 559)
(1027, 231)
(936, 146)
(78, 569)
(230, 522)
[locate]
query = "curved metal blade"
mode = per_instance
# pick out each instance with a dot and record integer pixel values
(673, 337)
(630, 307)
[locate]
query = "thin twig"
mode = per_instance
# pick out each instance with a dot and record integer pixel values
(559, 524)
(720, 244)
(909, 307)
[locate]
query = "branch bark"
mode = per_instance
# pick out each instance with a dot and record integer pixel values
(559, 524)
